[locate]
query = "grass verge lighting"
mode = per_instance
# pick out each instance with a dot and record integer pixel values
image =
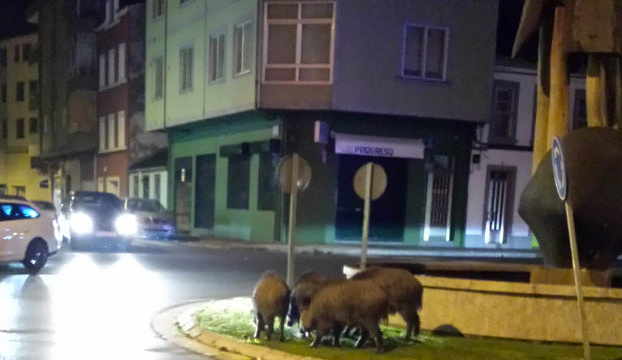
(126, 224)
(81, 223)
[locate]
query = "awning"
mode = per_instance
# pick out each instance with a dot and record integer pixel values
(378, 146)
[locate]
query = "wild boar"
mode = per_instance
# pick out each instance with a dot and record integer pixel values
(405, 293)
(270, 299)
(347, 303)
(306, 286)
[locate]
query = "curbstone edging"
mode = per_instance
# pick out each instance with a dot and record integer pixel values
(187, 326)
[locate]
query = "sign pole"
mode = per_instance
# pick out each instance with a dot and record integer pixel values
(291, 233)
(577, 278)
(561, 185)
(368, 184)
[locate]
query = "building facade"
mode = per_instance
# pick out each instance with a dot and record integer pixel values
(68, 84)
(20, 128)
(501, 162)
(120, 98)
(238, 84)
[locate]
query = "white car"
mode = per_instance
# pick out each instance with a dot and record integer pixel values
(27, 234)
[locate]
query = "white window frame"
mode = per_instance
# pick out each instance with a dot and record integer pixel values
(424, 47)
(102, 71)
(121, 129)
(111, 66)
(183, 69)
(111, 132)
(158, 8)
(122, 62)
(299, 22)
(102, 133)
(213, 57)
(158, 79)
(242, 48)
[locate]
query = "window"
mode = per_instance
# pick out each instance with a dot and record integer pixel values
(3, 93)
(121, 62)
(185, 68)
(10, 212)
(145, 194)
(156, 187)
(158, 8)
(242, 48)
(135, 186)
(111, 65)
(32, 92)
(26, 52)
(33, 125)
(504, 112)
(438, 198)
(102, 71)
(102, 133)
(217, 57)
(16, 53)
(19, 91)
(158, 73)
(111, 133)
(238, 178)
(121, 129)
(20, 131)
(299, 42)
(579, 110)
(5, 129)
(425, 52)
(3, 56)
(267, 185)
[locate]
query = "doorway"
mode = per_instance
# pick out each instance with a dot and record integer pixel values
(205, 191)
(499, 203)
(183, 193)
(388, 213)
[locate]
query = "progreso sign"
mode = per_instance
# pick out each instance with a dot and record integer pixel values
(378, 146)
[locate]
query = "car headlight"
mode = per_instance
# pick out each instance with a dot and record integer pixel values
(126, 224)
(81, 223)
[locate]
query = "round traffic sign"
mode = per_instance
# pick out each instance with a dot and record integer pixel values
(285, 174)
(378, 181)
(559, 169)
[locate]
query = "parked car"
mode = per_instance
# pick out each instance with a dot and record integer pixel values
(26, 235)
(154, 221)
(46, 207)
(97, 219)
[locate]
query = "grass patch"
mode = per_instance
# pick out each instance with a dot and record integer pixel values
(233, 318)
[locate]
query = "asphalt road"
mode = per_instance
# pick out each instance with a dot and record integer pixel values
(98, 305)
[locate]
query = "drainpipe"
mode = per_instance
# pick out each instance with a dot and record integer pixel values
(165, 63)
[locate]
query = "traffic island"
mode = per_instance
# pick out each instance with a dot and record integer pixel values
(228, 326)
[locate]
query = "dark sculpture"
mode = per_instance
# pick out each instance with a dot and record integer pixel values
(593, 158)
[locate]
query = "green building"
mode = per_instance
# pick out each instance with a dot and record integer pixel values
(237, 84)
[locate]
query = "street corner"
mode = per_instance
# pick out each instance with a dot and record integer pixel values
(180, 325)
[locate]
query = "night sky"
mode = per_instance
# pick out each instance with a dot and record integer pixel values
(12, 21)
(13, 18)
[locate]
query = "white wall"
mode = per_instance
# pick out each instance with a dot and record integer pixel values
(519, 233)
(519, 156)
(152, 192)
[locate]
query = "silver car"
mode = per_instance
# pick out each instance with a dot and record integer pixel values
(154, 221)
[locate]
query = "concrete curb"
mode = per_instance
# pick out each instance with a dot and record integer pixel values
(178, 325)
(353, 250)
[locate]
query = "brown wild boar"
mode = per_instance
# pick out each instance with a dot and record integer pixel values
(306, 286)
(347, 303)
(405, 293)
(270, 299)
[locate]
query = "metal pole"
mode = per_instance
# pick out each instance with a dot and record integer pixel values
(366, 211)
(577, 279)
(291, 233)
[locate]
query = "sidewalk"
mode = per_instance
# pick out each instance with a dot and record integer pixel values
(374, 250)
